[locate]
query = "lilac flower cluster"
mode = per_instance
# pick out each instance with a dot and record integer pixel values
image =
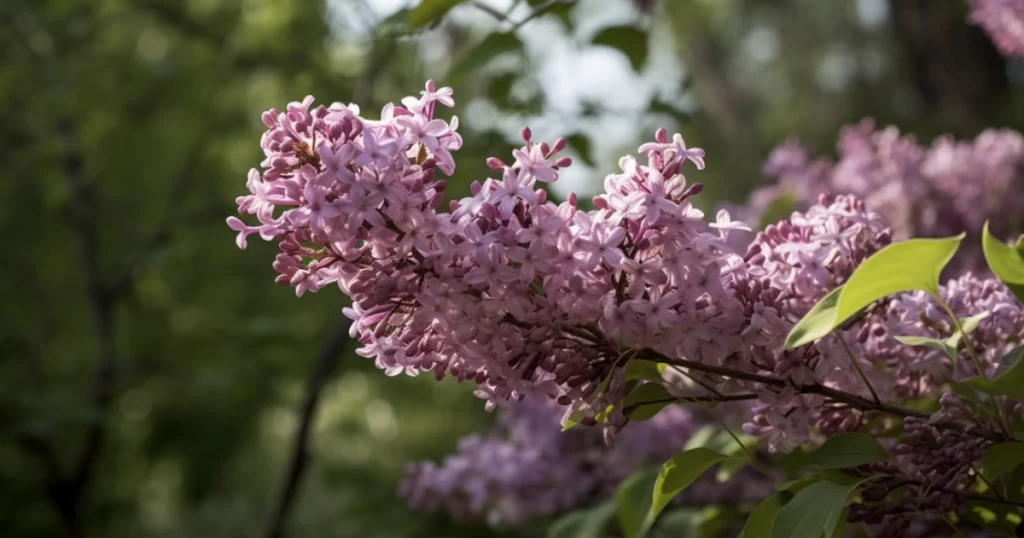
(917, 371)
(790, 266)
(507, 289)
(533, 300)
(1004, 22)
(932, 473)
(935, 191)
(529, 468)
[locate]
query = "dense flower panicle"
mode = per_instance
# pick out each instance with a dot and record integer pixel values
(789, 267)
(933, 466)
(1004, 22)
(918, 371)
(542, 305)
(529, 468)
(941, 190)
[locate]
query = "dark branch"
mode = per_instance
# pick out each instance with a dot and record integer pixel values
(75, 487)
(323, 370)
(837, 395)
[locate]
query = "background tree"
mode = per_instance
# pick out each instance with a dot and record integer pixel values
(152, 382)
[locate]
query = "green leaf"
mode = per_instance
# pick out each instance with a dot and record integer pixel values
(1010, 360)
(572, 420)
(679, 472)
(817, 323)
(759, 522)
(397, 21)
(1001, 458)
(429, 11)
(589, 523)
(1009, 380)
(633, 503)
(491, 47)
(581, 145)
(914, 264)
(630, 40)
(969, 324)
(950, 345)
(814, 511)
(644, 370)
(848, 450)
(941, 345)
(646, 400)
(1006, 262)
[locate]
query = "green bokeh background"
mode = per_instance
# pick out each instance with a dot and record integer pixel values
(147, 112)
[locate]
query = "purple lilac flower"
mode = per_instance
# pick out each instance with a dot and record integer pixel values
(1004, 22)
(528, 468)
(942, 190)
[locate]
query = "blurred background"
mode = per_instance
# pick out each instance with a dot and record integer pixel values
(152, 376)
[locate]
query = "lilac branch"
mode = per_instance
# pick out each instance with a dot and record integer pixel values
(837, 395)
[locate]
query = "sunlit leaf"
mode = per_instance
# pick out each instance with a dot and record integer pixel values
(1006, 262)
(679, 472)
(630, 40)
(914, 264)
(934, 343)
(817, 323)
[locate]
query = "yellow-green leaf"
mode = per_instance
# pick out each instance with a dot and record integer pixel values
(914, 264)
(1006, 262)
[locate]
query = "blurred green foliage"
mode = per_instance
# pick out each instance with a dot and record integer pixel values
(135, 121)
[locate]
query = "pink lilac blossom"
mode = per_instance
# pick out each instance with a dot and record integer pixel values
(528, 468)
(528, 298)
(919, 371)
(941, 190)
(507, 289)
(790, 266)
(1004, 22)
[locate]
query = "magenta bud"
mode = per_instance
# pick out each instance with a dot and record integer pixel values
(526, 134)
(600, 202)
(693, 190)
(661, 135)
(495, 163)
(564, 162)
(572, 199)
(545, 149)
(559, 145)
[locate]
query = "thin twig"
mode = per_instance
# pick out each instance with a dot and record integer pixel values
(851, 399)
(856, 366)
(298, 461)
(540, 11)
